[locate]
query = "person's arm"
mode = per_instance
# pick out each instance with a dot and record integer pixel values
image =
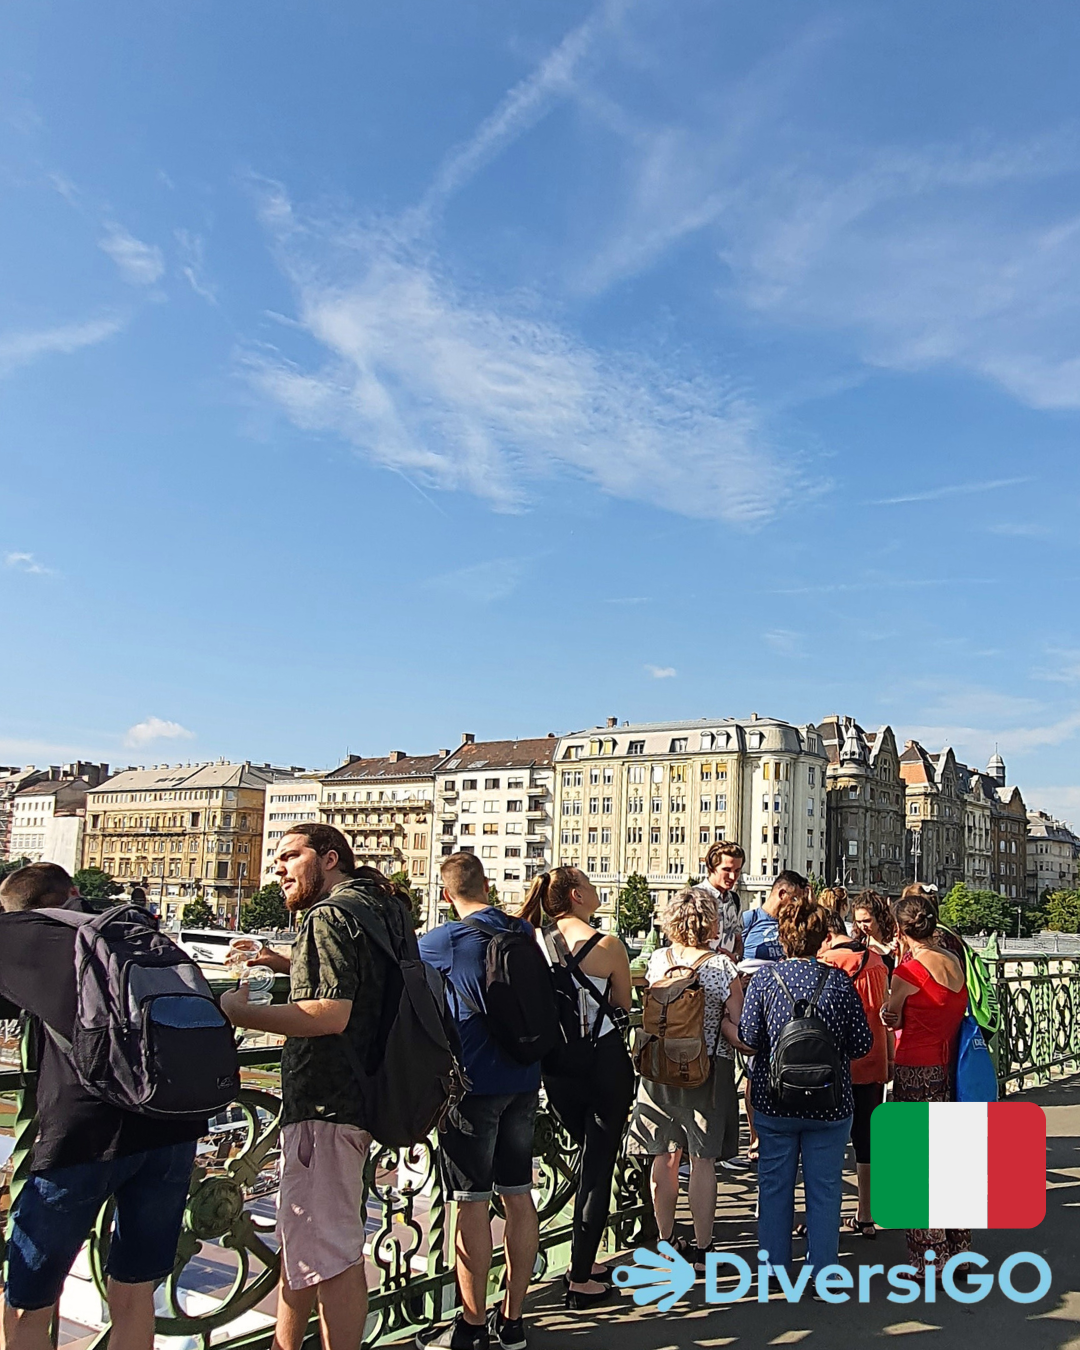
(860, 1037)
(306, 1017)
(752, 1022)
(730, 1016)
(899, 991)
(618, 970)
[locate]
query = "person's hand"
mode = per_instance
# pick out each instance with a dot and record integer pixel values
(234, 1004)
(889, 1019)
(271, 959)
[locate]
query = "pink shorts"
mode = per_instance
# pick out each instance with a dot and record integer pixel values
(319, 1223)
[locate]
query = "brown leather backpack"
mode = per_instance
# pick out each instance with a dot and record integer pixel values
(672, 1049)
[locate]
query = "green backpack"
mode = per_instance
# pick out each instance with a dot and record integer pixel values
(982, 996)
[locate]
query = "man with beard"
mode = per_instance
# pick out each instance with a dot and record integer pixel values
(338, 979)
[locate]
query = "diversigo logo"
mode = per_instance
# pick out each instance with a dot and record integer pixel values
(933, 1165)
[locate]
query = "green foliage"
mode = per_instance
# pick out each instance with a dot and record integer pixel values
(634, 906)
(493, 894)
(94, 884)
(416, 897)
(1063, 911)
(198, 914)
(13, 866)
(265, 909)
(817, 885)
(971, 911)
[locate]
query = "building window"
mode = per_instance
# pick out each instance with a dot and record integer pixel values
(810, 776)
(853, 848)
(606, 806)
(511, 852)
(635, 748)
(706, 803)
(654, 835)
(605, 835)
(491, 827)
(514, 804)
(721, 802)
(590, 865)
(657, 805)
(492, 784)
(594, 806)
(468, 829)
(468, 785)
(677, 746)
(489, 851)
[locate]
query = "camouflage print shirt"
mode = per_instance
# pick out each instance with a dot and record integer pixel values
(333, 958)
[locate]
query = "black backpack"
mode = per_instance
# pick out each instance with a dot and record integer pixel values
(520, 1013)
(805, 1068)
(149, 1036)
(413, 1075)
(572, 1054)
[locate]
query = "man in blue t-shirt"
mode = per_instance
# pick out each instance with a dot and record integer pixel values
(760, 929)
(486, 1144)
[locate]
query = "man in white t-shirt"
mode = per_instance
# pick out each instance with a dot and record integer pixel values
(724, 865)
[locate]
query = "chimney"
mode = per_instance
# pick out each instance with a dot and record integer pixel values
(396, 756)
(442, 754)
(467, 738)
(613, 721)
(753, 717)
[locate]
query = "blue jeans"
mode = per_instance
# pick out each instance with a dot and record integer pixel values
(821, 1144)
(56, 1209)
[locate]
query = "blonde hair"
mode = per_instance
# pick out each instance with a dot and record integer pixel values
(835, 898)
(689, 918)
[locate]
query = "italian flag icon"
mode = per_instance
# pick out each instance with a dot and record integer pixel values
(958, 1165)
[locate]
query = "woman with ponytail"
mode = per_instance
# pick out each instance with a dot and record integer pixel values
(591, 1097)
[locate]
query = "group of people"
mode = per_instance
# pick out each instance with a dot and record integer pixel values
(893, 971)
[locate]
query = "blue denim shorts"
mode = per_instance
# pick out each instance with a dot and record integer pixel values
(56, 1210)
(487, 1144)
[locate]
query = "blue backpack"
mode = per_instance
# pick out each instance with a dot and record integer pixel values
(976, 1080)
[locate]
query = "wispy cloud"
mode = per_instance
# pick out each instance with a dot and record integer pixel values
(153, 729)
(953, 490)
(21, 349)
(662, 672)
(468, 392)
(1061, 802)
(977, 743)
(627, 600)
(522, 107)
(481, 583)
(26, 562)
(139, 263)
(783, 641)
(883, 584)
(1066, 667)
(191, 248)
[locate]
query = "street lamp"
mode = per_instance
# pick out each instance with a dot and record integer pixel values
(916, 849)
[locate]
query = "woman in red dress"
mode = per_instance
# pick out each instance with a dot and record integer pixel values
(927, 1001)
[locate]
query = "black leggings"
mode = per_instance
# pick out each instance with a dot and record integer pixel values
(594, 1110)
(866, 1096)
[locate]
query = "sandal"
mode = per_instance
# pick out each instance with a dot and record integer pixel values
(800, 1230)
(852, 1224)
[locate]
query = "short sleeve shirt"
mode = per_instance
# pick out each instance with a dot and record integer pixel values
(768, 1008)
(729, 912)
(333, 958)
(459, 951)
(760, 929)
(715, 977)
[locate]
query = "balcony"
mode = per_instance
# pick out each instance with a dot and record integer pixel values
(537, 815)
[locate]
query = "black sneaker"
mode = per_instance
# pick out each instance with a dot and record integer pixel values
(459, 1335)
(510, 1334)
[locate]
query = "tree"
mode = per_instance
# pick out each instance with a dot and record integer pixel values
(493, 894)
(94, 884)
(6, 868)
(634, 906)
(265, 909)
(198, 914)
(407, 890)
(971, 911)
(1063, 911)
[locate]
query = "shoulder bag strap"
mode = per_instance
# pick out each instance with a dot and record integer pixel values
(822, 979)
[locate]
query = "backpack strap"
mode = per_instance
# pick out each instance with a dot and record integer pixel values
(555, 942)
(811, 1002)
(373, 926)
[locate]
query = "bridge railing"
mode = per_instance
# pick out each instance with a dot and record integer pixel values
(410, 1219)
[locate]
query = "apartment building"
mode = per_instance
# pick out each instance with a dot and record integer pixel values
(287, 804)
(48, 816)
(13, 780)
(934, 845)
(385, 808)
(1052, 853)
(651, 797)
(978, 793)
(496, 799)
(865, 822)
(182, 830)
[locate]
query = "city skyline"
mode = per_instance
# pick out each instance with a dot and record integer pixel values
(364, 376)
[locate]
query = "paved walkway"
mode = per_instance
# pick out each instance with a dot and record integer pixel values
(996, 1322)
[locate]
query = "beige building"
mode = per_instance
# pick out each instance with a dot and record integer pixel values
(48, 817)
(1052, 852)
(287, 804)
(182, 830)
(650, 798)
(934, 816)
(385, 808)
(495, 799)
(977, 793)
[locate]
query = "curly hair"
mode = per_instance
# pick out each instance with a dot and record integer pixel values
(803, 926)
(689, 917)
(835, 898)
(879, 911)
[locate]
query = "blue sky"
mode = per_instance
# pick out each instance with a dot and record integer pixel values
(373, 373)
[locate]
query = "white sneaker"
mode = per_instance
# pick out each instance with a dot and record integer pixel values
(734, 1164)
